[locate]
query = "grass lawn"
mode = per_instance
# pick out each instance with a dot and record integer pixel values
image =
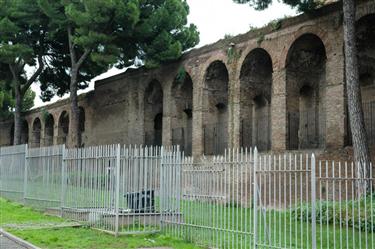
(283, 229)
(82, 237)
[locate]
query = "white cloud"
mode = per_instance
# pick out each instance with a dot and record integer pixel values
(214, 19)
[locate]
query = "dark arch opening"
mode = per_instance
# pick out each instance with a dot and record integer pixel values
(256, 96)
(153, 114)
(306, 91)
(215, 102)
(49, 130)
(37, 127)
(63, 128)
(182, 112)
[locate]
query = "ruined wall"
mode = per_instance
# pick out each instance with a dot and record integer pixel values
(247, 77)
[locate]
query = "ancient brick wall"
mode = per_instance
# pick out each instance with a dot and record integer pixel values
(280, 88)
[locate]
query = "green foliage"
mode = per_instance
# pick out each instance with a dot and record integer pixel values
(15, 213)
(114, 33)
(82, 237)
(233, 54)
(181, 75)
(23, 42)
(24, 30)
(352, 212)
(7, 101)
(260, 38)
(275, 24)
(44, 113)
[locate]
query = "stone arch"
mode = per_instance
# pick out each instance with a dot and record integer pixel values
(313, 30)
(255, 99)
(182, 111)
(365, 34)
(36, 132)
(49, 130)
(306, 90)
(215, 105)
(25, 132)
(365, 10)
(153, 113)
(63, 127)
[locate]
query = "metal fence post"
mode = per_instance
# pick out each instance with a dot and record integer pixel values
(25, 173)
(161, 182)
(117, 188)
(313, 202)
(255, 198)
(63, 180)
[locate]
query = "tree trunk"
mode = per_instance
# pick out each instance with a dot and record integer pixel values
(17, 114)
(357, 124)
(75, 133)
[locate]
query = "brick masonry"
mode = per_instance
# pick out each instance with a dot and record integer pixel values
(223, 83)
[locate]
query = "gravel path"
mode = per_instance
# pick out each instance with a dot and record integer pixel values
(6, 243)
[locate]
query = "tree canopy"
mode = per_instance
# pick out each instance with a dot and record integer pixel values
(112, 33)
(92, 36)
(23, 44)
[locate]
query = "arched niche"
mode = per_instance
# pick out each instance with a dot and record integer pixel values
(215, 104)
(153, 113)
(255, 99)
(182, 112)
(63, 128)
(306, 90)
(49, 130)
(36, 133)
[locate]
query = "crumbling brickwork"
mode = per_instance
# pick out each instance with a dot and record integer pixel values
(280, 88)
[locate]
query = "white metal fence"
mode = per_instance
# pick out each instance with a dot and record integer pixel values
(43, 171)
(241, 199)
(12, 168)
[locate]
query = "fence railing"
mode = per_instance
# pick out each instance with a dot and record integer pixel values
(240, 199)
(12, 170)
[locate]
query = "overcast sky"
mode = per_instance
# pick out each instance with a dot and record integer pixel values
(214, 18)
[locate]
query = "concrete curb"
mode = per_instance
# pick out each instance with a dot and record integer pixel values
(17, 240)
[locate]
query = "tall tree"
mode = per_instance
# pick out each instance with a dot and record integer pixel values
(357, 124)
(22, 44)
(99, 34)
